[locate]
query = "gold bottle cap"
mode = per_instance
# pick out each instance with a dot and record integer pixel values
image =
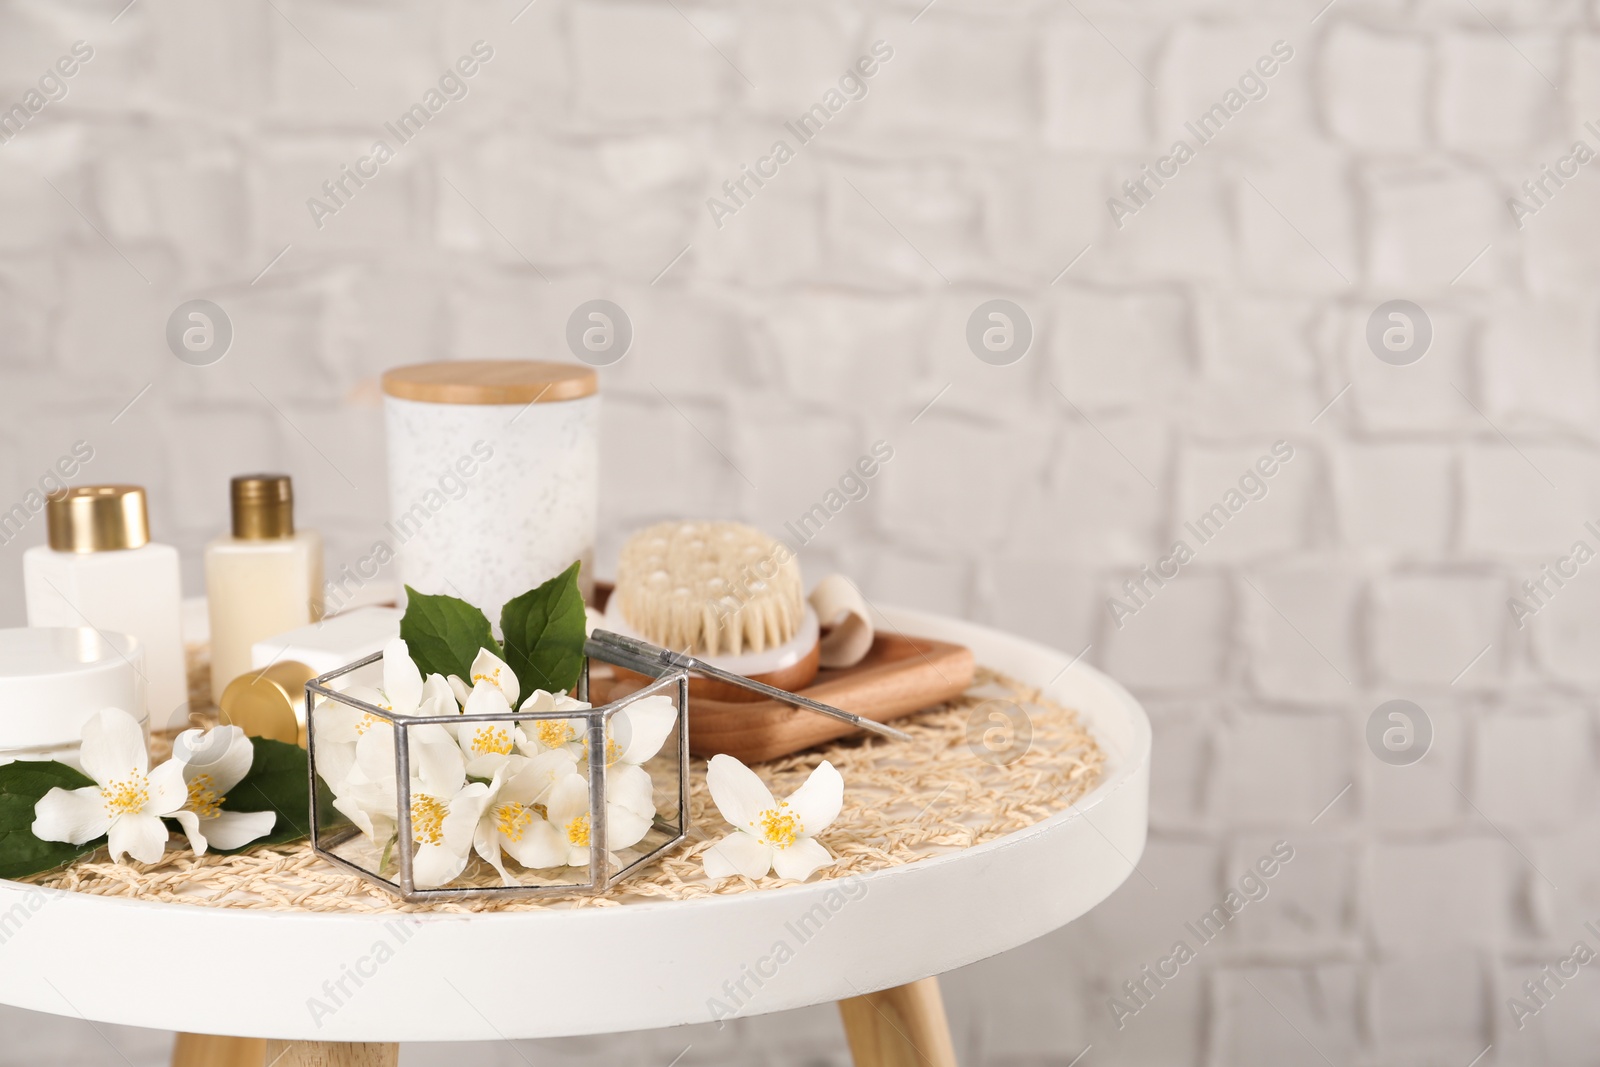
(98, 518)
(263, 507)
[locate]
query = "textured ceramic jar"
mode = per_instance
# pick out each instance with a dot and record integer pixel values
(494, 475)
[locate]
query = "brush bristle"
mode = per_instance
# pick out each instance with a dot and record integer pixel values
(710, 588)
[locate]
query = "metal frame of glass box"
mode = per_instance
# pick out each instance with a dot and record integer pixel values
(600, 879)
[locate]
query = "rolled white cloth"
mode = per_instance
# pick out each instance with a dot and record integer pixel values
(838, 603)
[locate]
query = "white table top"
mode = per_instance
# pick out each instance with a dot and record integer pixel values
(557, 973)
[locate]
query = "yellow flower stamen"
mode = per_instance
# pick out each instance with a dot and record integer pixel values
(203, 798)
(366, 723)
(553, 733)
(427, 820)
(779, 828)
(492, 679)
(613, 751)
(127, 797)
(513, 820)
(578, 831)
(491, 741)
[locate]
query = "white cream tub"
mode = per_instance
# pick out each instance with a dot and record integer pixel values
(52, 680)
(494, 475)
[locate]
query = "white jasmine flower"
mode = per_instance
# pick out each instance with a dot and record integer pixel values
(630, 812)
(512, 819)
(404, 692)
(127, 801)
(488, 745)
(439, 789)
(568, 809)
(771, 834)
(490, 668)
(633, 736)
(355, 749)
(213, 762)
(341, 728)
(547, 734)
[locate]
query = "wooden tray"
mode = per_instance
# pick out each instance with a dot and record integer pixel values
(900, 675)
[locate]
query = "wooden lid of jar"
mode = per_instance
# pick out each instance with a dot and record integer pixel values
(491, 381)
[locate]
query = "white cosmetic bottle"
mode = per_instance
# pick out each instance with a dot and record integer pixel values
(101, 570)
(264, 580)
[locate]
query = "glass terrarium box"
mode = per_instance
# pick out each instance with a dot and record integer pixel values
(440, 806)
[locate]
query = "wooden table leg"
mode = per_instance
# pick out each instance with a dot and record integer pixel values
(900, 1027)
(207, 1050)
(331, 1054)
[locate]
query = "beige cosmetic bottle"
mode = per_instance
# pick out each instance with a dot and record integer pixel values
(264, 580)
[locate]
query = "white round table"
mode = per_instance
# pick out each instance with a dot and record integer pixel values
(315, 979)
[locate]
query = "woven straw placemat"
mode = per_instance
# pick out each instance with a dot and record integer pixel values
(966, 777)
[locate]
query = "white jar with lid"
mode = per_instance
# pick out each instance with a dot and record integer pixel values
(54, 679)
(494, 476)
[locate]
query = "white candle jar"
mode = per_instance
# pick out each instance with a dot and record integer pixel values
(494, 475)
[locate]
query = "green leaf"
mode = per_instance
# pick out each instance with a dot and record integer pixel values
(279, 781)
(22, 785)
(544, 631)
(444, 634)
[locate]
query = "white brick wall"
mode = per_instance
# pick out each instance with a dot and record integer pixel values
(830, 311)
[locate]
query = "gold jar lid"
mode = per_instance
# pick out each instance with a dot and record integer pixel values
(98, 518)
(263, 507)
(491, 381)
(266, 703)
